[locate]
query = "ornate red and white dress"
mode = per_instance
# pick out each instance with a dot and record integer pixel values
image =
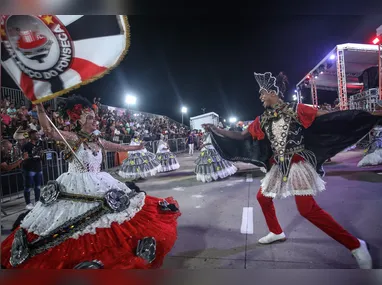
(87, 215)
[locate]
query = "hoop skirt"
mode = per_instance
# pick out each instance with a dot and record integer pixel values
(210, 165)
(373, 154)
(166, 158)
(112, 239)
(139, 164)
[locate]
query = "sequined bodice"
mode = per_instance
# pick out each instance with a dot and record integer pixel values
(207, 138)
(163, 147)
(91, 159)
(137, 141)
(279, 129)
(207, 142)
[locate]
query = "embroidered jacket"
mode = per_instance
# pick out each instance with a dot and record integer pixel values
(283, 125)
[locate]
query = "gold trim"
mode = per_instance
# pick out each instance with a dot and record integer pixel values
(122, 56)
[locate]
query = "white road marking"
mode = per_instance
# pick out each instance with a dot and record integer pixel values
(233, 182)
(197, 196)
(249, 178)
(380, 173)
(197, 207)
(178, 189)
(247, 221)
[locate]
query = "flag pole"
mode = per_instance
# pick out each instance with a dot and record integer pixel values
(67, 144)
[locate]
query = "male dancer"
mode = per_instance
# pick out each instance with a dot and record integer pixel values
(285, 138)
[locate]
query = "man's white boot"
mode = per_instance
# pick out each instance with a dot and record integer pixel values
(363, 257)
(271, 238)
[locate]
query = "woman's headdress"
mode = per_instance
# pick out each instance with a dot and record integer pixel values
(77, 108)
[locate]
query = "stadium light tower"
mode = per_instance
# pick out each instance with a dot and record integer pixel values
(184, 111)
(232, 120)
(130, 100)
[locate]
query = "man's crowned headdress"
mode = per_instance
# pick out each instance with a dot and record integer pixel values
(270, 83)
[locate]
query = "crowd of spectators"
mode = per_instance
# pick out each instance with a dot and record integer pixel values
(113, 125)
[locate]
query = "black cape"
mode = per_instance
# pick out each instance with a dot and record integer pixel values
(328, 135)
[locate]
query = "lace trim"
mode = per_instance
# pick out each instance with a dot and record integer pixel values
(169, 167)
(105, 221)
(216, 175)
(141, 174)
(303, 180)
(306, 192)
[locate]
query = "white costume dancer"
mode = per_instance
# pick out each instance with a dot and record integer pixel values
(139, 163)
(210, 165)
(88, 218)
(166, 158)
(373, 154)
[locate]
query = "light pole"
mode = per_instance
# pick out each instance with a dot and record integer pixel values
(184, 111)
(130, 100)
(232, 120)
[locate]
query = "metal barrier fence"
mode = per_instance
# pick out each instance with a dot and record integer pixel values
(53, 165)
(17, 96)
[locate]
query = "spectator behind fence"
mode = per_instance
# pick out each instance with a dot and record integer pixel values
(191, 143)
(11, 111)
(32, 169)
(5, 118)
(7, 163)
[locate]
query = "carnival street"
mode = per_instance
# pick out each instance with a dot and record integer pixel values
(221, 222)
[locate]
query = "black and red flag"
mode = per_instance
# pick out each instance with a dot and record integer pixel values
(50, 55)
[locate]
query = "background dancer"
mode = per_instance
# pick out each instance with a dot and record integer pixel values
(373, 153)
(8, 162)
(139, 164)
(210, 165)
(291, 142)
(87, 215)
(166, 158)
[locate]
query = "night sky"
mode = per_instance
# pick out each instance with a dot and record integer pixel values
(209, 61)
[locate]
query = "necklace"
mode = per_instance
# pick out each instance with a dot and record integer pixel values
(90, 141)
(85, 139)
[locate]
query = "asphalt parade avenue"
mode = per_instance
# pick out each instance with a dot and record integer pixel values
(222, 221)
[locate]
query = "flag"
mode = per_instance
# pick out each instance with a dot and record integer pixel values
(50, 55)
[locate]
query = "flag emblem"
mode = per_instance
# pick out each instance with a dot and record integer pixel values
(50, 55)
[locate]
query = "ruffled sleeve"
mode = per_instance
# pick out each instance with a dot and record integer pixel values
(306, 115)
(255, 129)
